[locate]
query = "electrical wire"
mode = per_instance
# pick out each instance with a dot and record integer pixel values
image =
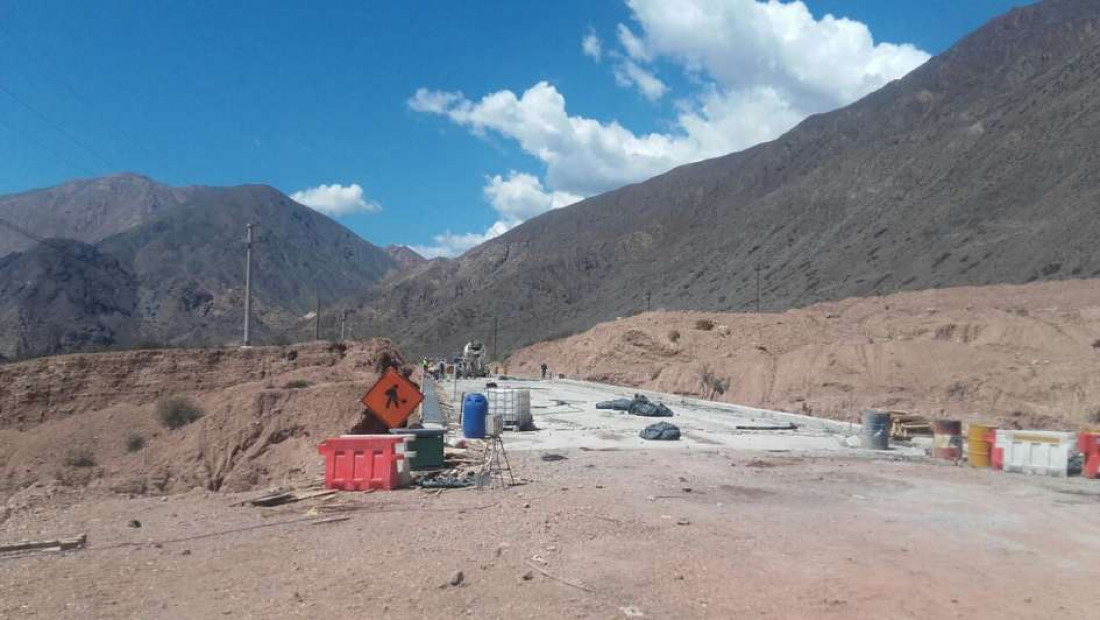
(55, 72)
(56, 126)
(33, 140)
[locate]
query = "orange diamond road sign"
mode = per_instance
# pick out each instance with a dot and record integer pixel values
(393, 398)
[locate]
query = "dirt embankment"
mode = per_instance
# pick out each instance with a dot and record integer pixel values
(90, 419)
(1024, 356)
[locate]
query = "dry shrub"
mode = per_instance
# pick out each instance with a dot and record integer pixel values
(296, 384)
(713, 386)
(704, 325)
(673, 335)
(134, 442)
(79, 457)
(178, 411)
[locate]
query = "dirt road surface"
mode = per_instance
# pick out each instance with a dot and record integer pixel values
(612, 530)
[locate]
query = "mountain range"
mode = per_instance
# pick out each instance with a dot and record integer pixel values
(979, 167)
(976, 168)
(165, 265)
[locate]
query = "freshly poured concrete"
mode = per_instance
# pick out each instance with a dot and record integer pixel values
(566, 416)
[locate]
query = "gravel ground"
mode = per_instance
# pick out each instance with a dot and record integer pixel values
(600, 534)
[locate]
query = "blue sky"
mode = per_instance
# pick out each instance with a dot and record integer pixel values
(434, 124)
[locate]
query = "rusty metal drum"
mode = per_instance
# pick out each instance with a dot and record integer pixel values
(947, 440)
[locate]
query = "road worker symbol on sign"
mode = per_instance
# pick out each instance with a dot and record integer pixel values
(393, 398)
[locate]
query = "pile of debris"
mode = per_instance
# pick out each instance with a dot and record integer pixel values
(639, 405)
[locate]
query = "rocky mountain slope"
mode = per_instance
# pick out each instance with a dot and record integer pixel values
(977, 168)
(178, 277)
(404, 256)
(88, 210)
(1025, 356)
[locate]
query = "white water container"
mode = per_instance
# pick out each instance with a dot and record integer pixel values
(513, 405)
(1045, 453)
(494, 425)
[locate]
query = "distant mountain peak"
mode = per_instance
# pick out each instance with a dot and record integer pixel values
(404, 256)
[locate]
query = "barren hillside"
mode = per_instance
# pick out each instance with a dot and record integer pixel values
(71, 419)
(1018, 355)
(976, 168)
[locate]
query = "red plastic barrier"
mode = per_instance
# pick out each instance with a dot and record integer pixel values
(362, 462)
(1089, 445)
(998, 454)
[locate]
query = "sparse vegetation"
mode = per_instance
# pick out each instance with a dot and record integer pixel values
(134, 442)
(704, 325)
(956, 390)
(713, 386)
(178, 411)
(673, 335)
(1096, 343)
(296, 384)
(80, 457)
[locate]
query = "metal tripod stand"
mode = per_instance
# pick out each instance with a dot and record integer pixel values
(496, 470)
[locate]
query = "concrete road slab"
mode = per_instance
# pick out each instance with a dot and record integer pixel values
(567, 418)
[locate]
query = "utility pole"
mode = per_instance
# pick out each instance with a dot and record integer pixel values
(758, 288)
(317, 316)
(648, 298)
(343, 323)
(494, 338)
(248, 288)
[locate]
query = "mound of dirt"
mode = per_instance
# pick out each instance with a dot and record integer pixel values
(1019, 356)
(91, 419)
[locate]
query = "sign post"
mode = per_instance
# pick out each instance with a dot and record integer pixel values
(393, 398)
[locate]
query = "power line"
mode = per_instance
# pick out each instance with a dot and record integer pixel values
(28, 234)
(56, 126)
(86, 101)
(30, 138)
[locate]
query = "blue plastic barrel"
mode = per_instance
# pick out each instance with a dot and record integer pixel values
(474, 409)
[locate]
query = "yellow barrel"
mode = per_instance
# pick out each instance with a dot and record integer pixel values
(980, 449)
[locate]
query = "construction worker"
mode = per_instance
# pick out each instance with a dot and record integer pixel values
(543, 370)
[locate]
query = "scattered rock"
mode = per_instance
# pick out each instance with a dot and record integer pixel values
(185, 552)
(683, 521)
(457, 578)
(134, 523)
(632, 612)
(550, 457)
(529, 575)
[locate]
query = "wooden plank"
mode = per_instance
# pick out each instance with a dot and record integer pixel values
(288, 498)
(64, 544)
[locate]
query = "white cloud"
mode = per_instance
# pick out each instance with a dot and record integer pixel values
(592, 46)
(451, 244)
(432, 100)
(522, 196)
(756, 68)
(628, 73)
(517, 198)
(634, 46)
(336, 199)
(817, 64)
